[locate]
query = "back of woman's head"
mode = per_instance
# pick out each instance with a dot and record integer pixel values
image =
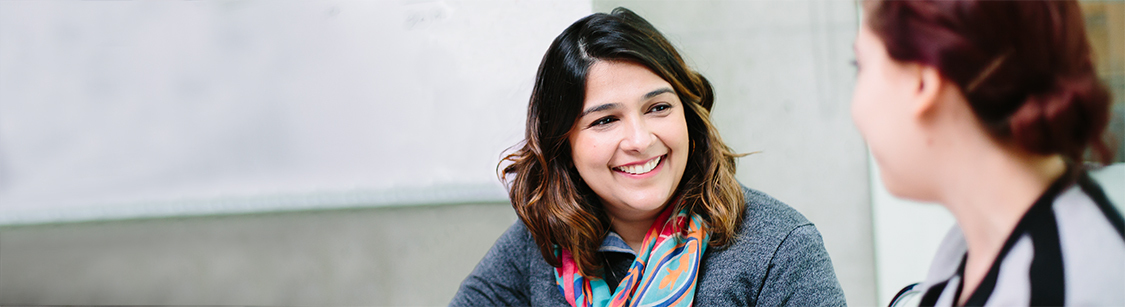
(546, 190)
(1024, 66)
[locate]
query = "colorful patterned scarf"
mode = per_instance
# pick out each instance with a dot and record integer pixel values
(663, 275)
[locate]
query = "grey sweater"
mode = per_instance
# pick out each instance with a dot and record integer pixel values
(776, 259)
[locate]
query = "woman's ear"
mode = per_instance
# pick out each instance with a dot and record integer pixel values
(928, 90)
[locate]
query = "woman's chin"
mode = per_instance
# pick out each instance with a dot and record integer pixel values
(654, 204)
(638, 204)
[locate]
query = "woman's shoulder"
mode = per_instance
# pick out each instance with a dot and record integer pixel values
(777, 256)
(765, 215)
(515, 241)
(767, 223)
(508, 274)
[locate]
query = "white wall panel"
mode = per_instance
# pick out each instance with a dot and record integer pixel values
(117, 109)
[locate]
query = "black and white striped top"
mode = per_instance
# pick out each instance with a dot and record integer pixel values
(1068, 249)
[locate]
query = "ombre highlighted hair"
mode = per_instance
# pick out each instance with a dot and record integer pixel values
(547, 192)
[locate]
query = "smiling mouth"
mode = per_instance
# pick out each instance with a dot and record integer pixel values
(638, 169)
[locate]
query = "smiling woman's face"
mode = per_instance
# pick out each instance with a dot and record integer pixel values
(630, 144)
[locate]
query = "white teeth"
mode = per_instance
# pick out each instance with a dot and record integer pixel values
(642, 168)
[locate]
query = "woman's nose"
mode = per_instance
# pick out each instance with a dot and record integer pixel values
(638, 137)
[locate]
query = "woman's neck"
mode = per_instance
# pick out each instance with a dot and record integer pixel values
(633, 225)
(988, 191)
(633, 231)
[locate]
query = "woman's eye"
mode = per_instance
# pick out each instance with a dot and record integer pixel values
(603, 121)
(660, 107)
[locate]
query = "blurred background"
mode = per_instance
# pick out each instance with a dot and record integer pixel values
(344, 152)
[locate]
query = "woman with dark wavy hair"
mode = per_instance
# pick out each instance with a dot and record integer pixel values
(989, 108)
(626, 194)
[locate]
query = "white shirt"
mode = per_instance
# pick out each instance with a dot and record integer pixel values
(1068, 249)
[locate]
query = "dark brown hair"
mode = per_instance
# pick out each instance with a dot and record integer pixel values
(1023, 66)
(546, 190)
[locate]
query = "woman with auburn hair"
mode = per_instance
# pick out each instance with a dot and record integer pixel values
(626, 194)
(989, 108)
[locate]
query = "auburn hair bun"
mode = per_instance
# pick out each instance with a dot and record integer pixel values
(1067, 119)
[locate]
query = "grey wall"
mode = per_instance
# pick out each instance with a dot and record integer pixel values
(387, 256)
(783, 87)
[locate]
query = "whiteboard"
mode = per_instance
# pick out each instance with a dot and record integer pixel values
(114, 110)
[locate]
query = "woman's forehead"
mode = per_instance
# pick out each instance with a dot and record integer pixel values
(622, 82)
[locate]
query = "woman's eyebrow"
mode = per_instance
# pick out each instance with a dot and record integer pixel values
(602, 107)
(615, 105)
(658, 92)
